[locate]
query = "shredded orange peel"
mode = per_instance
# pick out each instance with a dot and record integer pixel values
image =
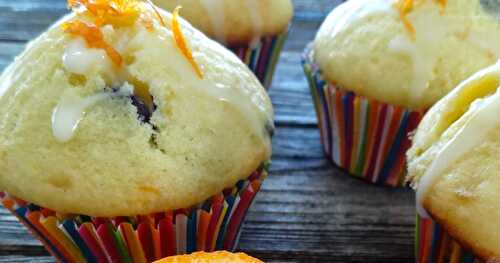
(121, 13)
(443, 4)
(118, 13)
(93, 37)
(406, 6)
(160, 18)
(181, 42)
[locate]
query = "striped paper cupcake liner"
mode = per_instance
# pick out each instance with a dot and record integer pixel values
(212, 225)
(434, 245)
(262, 57)
(365, 137)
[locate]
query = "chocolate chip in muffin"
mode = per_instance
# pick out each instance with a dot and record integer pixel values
(143, 111)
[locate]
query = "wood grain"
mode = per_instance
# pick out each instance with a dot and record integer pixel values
(308, 210)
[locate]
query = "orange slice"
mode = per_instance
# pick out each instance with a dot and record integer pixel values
(214, 257)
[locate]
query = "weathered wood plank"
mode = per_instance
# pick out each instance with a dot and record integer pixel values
(25, 259)
(8, 50)
(25, 19)
(314, 9)
(290, 92)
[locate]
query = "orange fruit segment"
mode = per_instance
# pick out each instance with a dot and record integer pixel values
(214, 257)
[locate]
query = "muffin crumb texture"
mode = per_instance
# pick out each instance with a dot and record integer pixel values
(453, 163)
(105, 115)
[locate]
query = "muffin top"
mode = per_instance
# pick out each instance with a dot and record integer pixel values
(235, 22)
(123, 109)
(214, 257)
(454, 163)
(407, 52)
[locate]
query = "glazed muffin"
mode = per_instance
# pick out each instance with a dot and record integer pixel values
(255, 30)
(453, 166)
(214, 257)
(376, 66)
(121, 109)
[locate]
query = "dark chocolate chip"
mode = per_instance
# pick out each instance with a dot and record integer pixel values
(143, 110)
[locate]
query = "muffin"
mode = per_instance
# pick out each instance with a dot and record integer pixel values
(376, 66)
(453, 164)
(255, 30)
(214, 257)
(126, 134)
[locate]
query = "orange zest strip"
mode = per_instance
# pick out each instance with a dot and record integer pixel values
(94, 38)
(162, 22)
(109, 12)
(404, 7)
(181, 42)
(443, 4)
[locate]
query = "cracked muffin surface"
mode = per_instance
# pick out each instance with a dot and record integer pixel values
(129, 114)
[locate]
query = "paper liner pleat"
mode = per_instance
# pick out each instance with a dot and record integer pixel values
(212, 225)
(365, 137)
(434, 245)
(262, 57)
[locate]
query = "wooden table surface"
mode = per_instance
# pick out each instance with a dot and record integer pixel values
(308, 210)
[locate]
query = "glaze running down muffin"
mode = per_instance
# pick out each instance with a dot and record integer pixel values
(106, 116)
(453, 163)
(376, 66)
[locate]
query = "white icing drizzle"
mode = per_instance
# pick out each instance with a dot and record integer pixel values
(79, 59)
(217, 15)
(256, 19)
(246, 100)
(422, 63)
(72, 108)
(249, 103)
(483, 120)
(423, 51)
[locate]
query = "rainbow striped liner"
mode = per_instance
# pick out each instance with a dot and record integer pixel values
(212, 225)
(262, 57)
(365, 137)
(434, 245)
